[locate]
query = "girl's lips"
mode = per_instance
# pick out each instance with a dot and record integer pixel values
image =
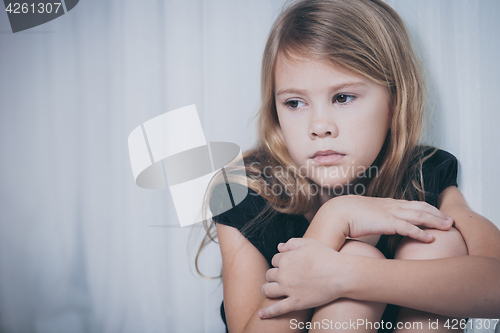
(325, 152)
(327, 159)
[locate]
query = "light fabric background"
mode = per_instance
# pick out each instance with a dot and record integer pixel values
(82, 248)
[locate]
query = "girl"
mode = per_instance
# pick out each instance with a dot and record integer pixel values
(337, 179)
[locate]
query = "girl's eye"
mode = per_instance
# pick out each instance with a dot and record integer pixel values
(343, 98)
(293, 104)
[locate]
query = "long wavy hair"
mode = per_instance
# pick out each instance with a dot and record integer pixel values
(366, 38)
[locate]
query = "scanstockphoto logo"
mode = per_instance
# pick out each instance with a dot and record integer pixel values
(25, 15)
(171, 151)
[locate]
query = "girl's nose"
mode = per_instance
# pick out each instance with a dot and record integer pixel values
(322, 127)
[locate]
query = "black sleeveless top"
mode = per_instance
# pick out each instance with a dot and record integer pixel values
(439, 172)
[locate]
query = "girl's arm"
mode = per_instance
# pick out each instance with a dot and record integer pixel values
(356, 216)
(464, 286)
(461, 286)
(244, 267)
(243, 273)
(347, 216)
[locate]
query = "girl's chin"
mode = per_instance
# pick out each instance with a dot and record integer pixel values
(331, 183)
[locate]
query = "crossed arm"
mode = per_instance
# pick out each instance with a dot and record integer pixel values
(466, 285)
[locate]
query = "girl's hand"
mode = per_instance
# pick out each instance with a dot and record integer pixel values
(313, 274)
(385, 216)
(325, 276)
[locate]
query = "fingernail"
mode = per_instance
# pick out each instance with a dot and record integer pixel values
(261, 313)
(429, 236)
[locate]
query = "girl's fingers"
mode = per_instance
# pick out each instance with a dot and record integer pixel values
(277, 309)
(405, 228)
(272, 290)
(291, 244)
(419, 217)
(276, 259)
(424, 207)
(271, 275)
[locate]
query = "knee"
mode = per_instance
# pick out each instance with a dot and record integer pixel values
(359, 248)
(446, 244)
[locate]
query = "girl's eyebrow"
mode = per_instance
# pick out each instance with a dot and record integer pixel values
(332, 88)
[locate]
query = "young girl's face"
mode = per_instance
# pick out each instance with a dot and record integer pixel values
(325, 108)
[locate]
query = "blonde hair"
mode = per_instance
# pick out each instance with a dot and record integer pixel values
(367, 38)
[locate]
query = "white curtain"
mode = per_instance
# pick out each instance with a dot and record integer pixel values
(82, 248)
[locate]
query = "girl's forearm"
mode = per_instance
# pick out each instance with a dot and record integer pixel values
(464, 286)
(323, 229)
(328, 229)
(329, 233)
